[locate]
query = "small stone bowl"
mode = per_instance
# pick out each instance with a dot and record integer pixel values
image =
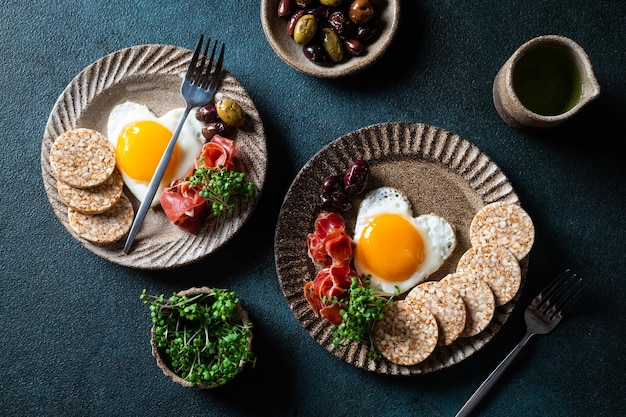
(162, 359)
(289, 51)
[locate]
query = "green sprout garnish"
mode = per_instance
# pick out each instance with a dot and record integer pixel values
(219, 185)
(201, 335)
(360, 311)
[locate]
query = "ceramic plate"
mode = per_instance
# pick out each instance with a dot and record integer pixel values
(439, 171)
(151, 75)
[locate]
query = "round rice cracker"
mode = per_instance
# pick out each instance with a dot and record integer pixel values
(106, 227)
(407, 334)
(503, 224)
(495, 265)
(93, 200)
(82, 158)
(447, 306)
(478, 299)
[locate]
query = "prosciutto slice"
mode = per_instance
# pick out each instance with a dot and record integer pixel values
(329, 241)
(219, 151)
(184, 206)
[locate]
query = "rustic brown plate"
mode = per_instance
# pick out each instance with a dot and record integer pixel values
(439, 171)
(151, 75)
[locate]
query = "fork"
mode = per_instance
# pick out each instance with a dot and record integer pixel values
(198, 88)
(542, 315)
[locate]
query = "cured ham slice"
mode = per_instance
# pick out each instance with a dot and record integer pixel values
(219, 151)
(183, 206)
(329, 241)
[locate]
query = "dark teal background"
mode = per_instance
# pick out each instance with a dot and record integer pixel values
(74, 338)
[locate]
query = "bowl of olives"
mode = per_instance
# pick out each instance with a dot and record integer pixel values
(330, 38)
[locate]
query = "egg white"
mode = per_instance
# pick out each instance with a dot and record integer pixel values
(438, 236)
(190, 140)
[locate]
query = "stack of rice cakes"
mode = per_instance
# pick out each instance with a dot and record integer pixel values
(83, 162)
(462, 304)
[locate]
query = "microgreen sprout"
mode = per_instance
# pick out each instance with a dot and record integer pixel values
(218, 185)
(202, 335)
(360, 311)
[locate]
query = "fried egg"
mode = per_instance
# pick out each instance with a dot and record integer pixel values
(398, 250)
(140, 138)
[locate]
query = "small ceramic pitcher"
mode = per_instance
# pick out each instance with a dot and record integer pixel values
(545, 82)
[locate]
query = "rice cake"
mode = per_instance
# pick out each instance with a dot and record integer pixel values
(106, 227)
(407, 334)
(495, 265)
(82, 158)
(447, 306)
(478, 299)
(503, 224)
(93, 200)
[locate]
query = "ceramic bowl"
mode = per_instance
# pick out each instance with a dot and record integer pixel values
(288, 50)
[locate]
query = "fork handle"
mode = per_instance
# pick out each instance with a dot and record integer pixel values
(155, 182)
(493, 377)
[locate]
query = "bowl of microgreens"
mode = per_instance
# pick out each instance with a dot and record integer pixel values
(200, 337)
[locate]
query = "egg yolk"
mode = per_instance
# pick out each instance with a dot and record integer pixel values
(140, 146)
(390, 247)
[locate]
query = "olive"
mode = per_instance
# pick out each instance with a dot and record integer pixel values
(207, 113)
(214, 128)
(356, 177)
(331, 3)
(367, 33)
(332, 184)
(284, 8)
(335, 202)
(230, 112)
(320, 12)
(361, 11)
(291, 23)
(340, 22)
(305, 29)
(304, 3)
(353, 46)
(332, 44)
(315, 53)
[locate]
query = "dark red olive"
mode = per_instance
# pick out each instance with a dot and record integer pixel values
(367, 32)
(284, 8)
(214, 128)
(356, 177)
(315, 53)
(320, 12)
(335, 202)
(291, 23)
(332, 184)
(353, 46)
(340, 22)
(207, 113)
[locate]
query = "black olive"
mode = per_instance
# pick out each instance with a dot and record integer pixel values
(356, 177)
(332, 184)
(315, 53)
(207, 113)
(335, 202)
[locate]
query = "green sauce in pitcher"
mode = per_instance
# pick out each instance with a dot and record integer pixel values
(547, 81)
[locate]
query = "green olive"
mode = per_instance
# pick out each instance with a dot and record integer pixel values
(330, 3)
(305, 29)
(230, 112)
(332, 44)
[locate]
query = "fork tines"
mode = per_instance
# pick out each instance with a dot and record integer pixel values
(200, 75)
(558, 298)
